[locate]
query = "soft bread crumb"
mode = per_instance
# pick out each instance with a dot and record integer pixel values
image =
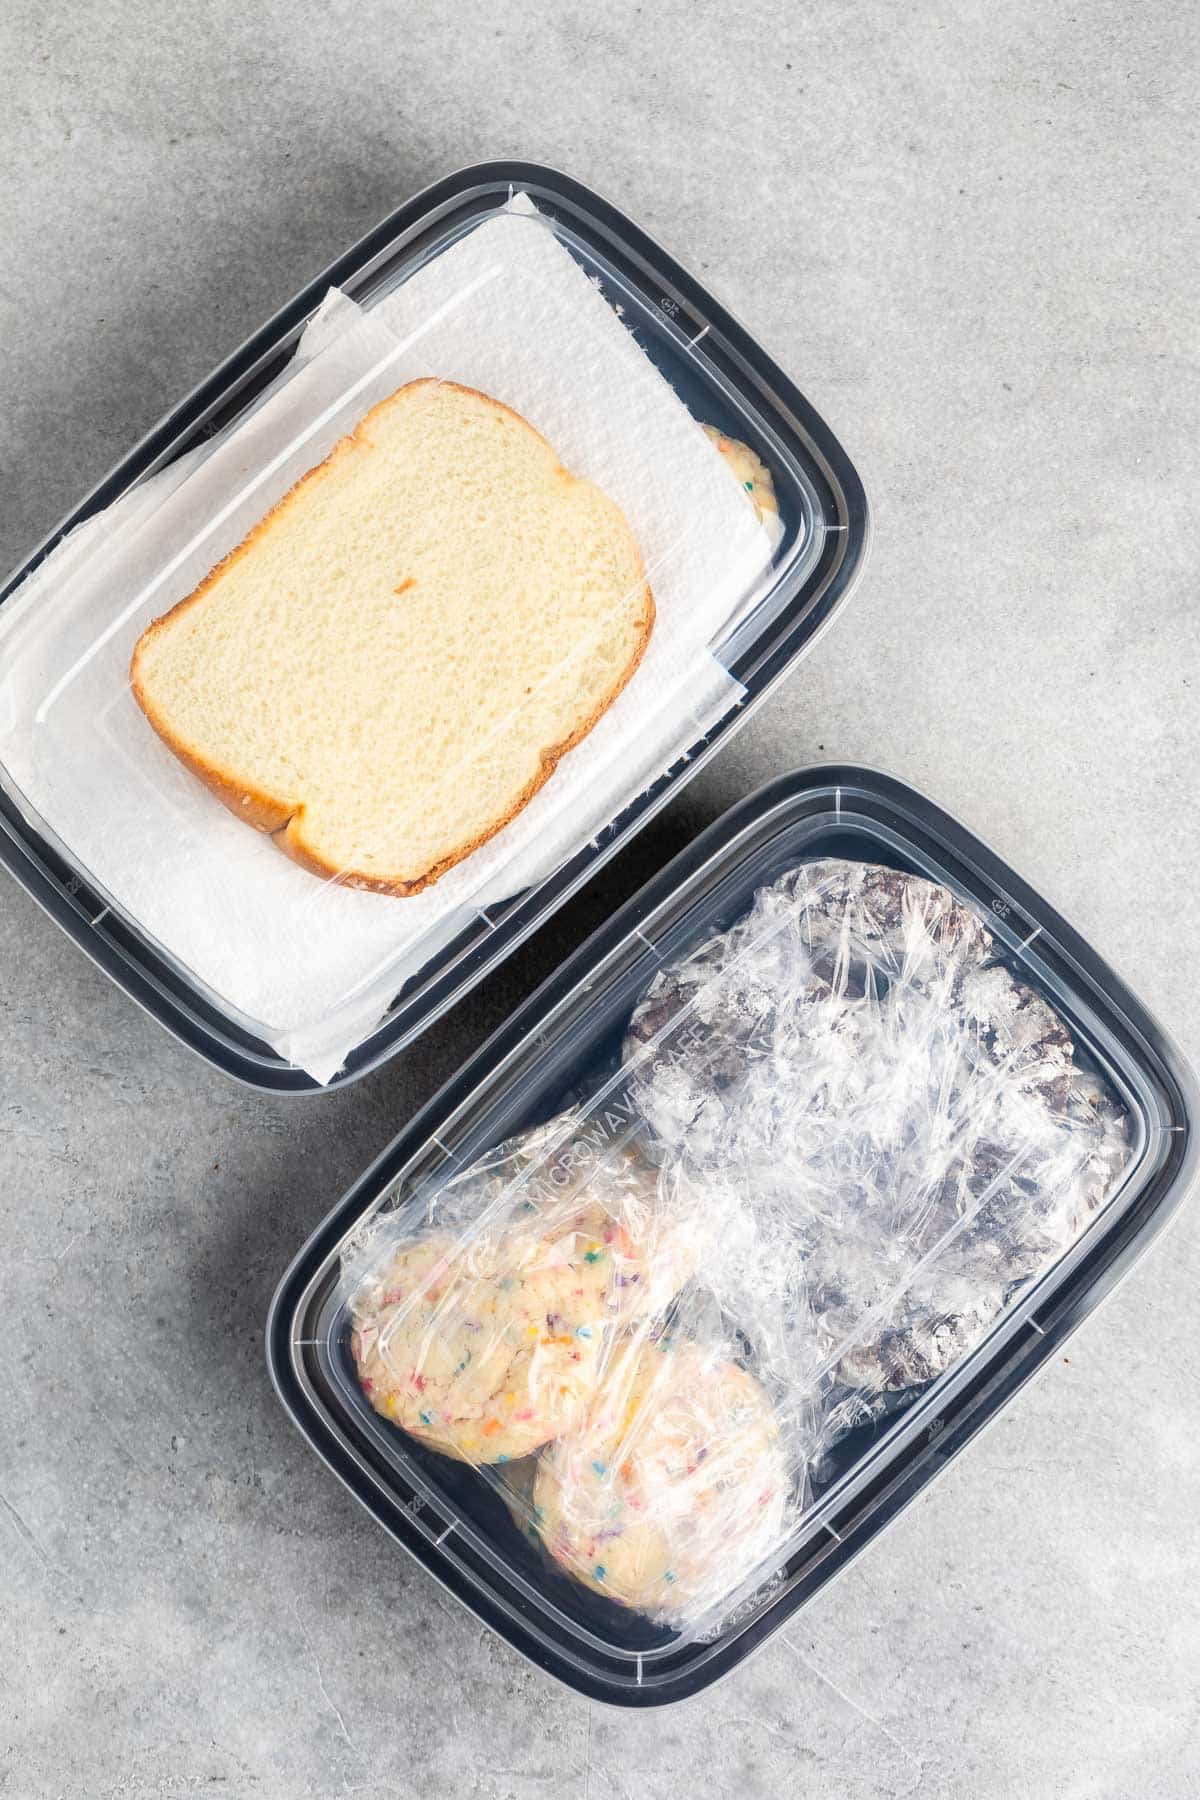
(392, 662)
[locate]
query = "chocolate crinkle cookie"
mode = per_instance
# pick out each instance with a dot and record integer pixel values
(902, 1122)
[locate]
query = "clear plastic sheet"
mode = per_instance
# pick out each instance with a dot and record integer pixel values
(307, 965)
(842, 1138)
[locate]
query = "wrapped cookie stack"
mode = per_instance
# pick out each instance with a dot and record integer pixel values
(545, 1312)
(842, 1137)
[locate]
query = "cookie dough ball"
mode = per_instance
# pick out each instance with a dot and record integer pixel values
(674, 1488)
(754, 476)
(481, 1360)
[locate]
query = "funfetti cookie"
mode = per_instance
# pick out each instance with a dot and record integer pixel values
(580, 1191)
(628, 1255)
(481, 1361)
(675, 1486)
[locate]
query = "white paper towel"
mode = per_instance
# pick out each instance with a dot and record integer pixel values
(310, 966)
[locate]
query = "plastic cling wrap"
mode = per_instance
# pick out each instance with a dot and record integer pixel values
(840, 1139)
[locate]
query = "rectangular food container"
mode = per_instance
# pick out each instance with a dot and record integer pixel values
(450, 1516)
(722, 377)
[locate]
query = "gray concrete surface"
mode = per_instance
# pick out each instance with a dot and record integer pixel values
(971, 233)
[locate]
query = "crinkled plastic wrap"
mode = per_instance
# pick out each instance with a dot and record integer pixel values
(842, 1138)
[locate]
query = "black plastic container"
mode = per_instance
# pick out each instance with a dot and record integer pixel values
(446, 1514)
(724, 378)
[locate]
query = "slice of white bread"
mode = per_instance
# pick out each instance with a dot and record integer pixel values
(392, 662)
